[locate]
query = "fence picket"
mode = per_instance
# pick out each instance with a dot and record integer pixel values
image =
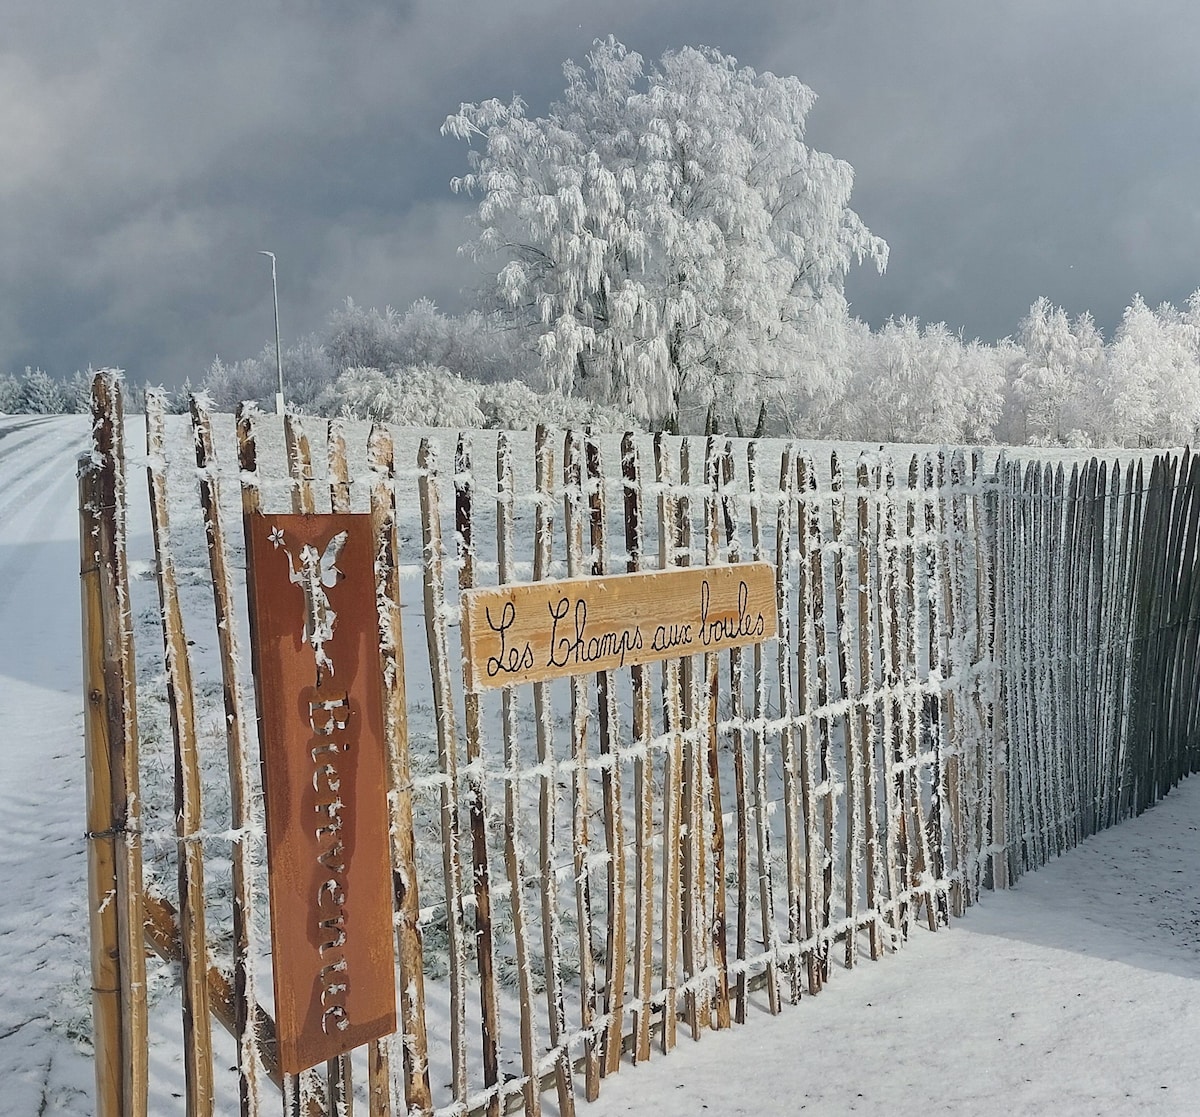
(741, 778)
(543, 535)
(934, 712)
(697, 990)
(812, 762)
(514, 854)
(237, 761)
(414, 1041)
(849, 697)
(914, 609)
(716, 936)
(868, 770)
(608, 733)
(895, 771)
(120, 712)
(823, 697)
(485, 952)
(573, 482)
(102, 821)
(672, 763)
(792, 805)
(197, 1037)
(439, 663)
(643, 962)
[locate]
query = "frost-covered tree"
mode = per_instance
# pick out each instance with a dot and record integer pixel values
(907, 386)
(227, 385)
(1057, 383)
(986, 373)
(39, 394)
(77, 392)
(1135, 375)
(1181, 397)
(665, 229)
(474, 345)
(1154, 375)
(307, 372)
(10, 392)
(362, 337)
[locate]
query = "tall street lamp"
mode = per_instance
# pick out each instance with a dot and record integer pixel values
(278, 350)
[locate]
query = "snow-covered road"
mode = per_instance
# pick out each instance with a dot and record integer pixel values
(43, 911)
(1075, 993)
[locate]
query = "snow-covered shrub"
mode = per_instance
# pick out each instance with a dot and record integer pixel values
(365, 338)
(473, 345)
(417, 395)
(308, 371)
(512, 405)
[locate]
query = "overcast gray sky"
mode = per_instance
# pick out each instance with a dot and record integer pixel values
(150, 148)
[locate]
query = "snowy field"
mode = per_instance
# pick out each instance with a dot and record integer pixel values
(1074, 993)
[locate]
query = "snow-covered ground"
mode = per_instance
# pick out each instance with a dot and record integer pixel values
(1073, 993)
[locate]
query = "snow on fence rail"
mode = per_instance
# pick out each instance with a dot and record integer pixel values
(978, 663)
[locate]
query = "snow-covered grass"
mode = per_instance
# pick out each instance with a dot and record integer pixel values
(968, 997)
(1075, 993)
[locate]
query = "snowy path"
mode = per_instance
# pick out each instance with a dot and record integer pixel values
(1076, 993)
(43, 917)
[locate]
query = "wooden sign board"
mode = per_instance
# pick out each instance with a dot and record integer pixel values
(315, 637)
(524, 632)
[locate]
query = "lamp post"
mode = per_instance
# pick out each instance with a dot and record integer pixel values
(278, 350)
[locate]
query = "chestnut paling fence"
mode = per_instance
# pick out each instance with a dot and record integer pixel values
(979, 662)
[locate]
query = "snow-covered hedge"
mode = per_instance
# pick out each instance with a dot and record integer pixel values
(425, 395)
(430, 395)
(512, 405)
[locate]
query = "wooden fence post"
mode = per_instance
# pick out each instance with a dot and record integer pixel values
(101, 824)
(245, 999)
(197, 1031)
(409, 948)
(114, 808)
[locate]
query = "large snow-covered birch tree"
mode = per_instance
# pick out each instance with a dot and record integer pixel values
(665, 229)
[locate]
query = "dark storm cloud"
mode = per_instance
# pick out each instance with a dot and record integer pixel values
(149, 150)
(1012, 150)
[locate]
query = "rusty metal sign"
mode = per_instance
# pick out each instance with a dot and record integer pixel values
(315, 638)
(538, 630)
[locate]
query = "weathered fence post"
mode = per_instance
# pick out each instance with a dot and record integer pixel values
(101, 832)
(114, 802)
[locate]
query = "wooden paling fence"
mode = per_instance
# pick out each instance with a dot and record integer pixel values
(978, 663)
(1100, 629)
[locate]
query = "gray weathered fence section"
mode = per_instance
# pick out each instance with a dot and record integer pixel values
(980, 662)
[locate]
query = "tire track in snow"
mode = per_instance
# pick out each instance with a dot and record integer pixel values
(25, 427)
